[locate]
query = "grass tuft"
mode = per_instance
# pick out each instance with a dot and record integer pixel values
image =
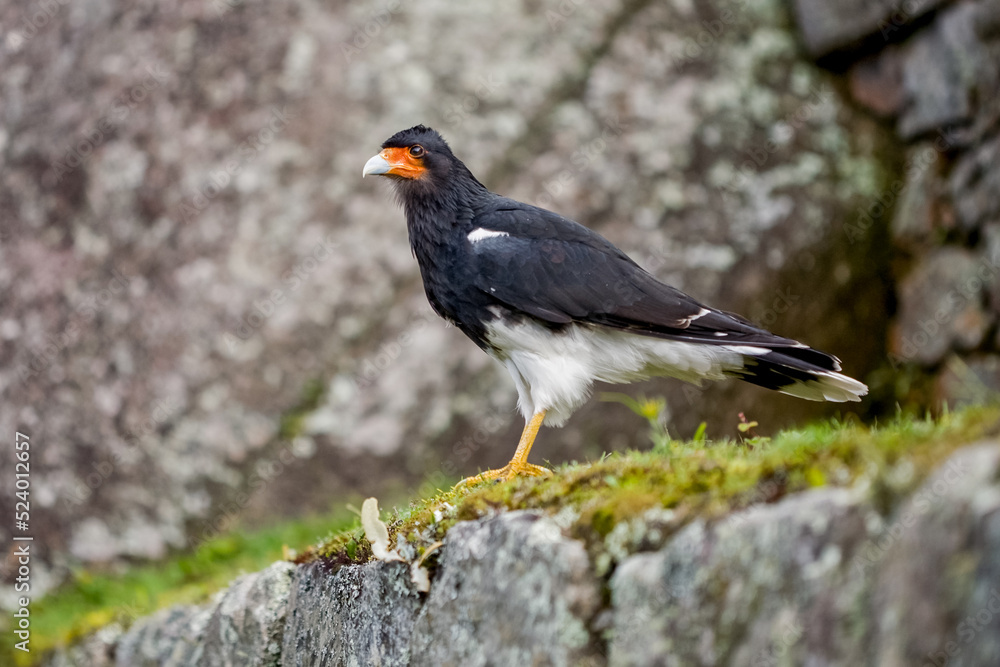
(94, 598)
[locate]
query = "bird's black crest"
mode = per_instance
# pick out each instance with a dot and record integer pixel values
(418, 134)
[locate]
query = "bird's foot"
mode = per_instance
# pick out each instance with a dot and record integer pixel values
(508, 472)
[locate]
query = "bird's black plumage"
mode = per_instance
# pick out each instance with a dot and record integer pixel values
(485, 258)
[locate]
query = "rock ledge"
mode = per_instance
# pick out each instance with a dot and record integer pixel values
(821, 577)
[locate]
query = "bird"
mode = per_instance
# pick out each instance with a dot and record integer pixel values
(561, 307)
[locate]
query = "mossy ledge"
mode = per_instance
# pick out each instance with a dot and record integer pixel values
(836, 544)
(634, 500)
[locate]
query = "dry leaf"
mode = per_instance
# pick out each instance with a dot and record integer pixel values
(377, 532)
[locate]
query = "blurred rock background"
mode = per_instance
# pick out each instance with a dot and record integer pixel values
(208, 317)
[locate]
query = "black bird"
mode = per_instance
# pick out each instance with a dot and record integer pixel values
(561, 307)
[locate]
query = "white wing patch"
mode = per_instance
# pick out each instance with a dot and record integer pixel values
(480, 234)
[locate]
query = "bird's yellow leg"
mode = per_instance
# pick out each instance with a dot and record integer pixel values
(519, 464)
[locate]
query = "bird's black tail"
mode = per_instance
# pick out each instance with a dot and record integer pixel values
(802, 372)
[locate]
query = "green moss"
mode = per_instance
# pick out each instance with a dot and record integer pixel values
(693, 478)
(92, 599)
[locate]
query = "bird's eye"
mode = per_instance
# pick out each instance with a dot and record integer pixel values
(416, 151)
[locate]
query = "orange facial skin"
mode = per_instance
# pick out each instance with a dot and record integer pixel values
(403, 164)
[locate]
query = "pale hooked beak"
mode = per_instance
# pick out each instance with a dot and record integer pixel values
(376, 165)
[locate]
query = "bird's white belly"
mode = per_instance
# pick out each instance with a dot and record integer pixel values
(555, 371)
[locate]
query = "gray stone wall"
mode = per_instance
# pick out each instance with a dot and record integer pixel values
(207, 316)
(932, 71)
(820, 577)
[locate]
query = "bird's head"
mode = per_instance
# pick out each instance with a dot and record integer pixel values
(414, 154)
(419, 163)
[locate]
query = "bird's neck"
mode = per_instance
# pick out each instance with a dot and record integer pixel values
(435, 215)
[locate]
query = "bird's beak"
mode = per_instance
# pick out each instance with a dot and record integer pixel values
(395, 161)
(376, 165)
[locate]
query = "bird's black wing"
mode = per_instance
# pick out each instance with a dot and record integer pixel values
(558, 271)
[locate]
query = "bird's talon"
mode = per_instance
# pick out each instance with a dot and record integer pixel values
(505, 474)
(535, 471)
